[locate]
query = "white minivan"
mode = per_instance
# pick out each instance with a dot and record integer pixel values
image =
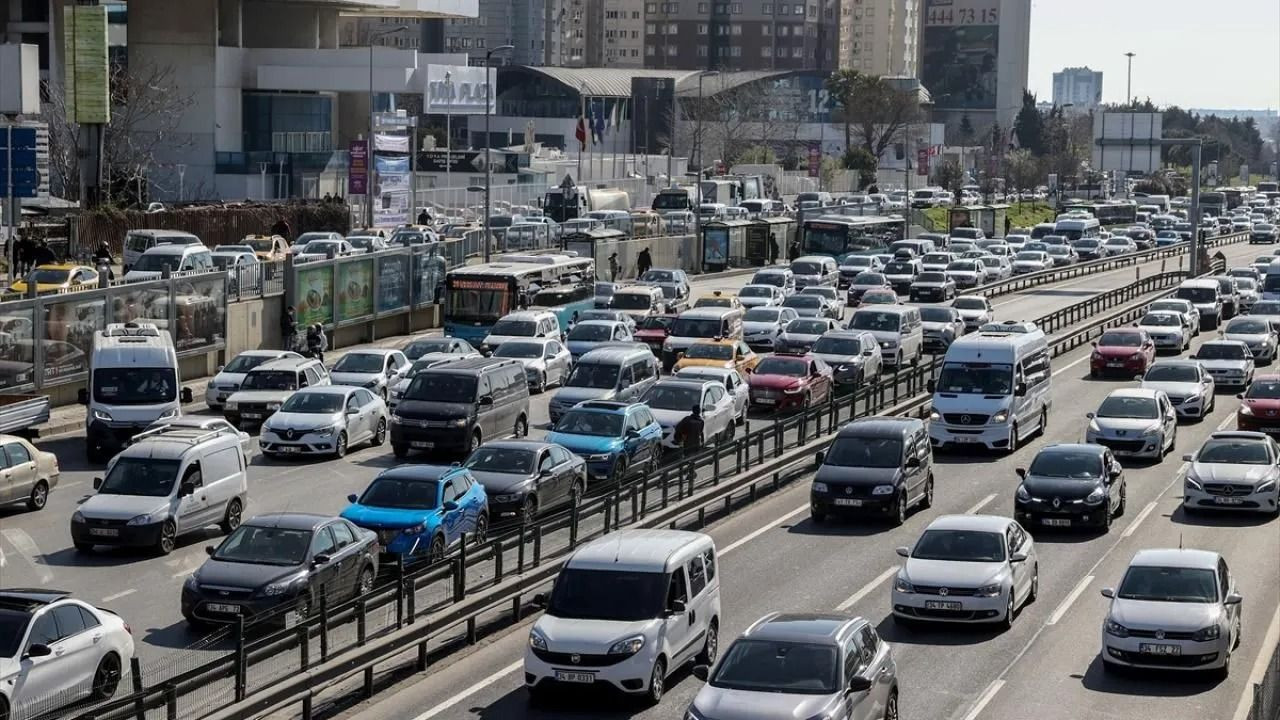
(993, 391)
(137, 242)
(627, 611)
(897, 328)
(154, 263)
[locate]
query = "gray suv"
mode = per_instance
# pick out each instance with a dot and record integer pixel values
(881, 466)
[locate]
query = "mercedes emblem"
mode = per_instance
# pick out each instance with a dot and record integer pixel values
(1159, 634)
(944, 591)
(965, 419)
(575, 658)
(1228, 490)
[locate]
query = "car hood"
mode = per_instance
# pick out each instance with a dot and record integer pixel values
(575, 395)
(751, 302)
(775, 381)
(862, 476)
(432, 410)
(590, 637)
(1169, 616)
(225, 380)
(303, 421)
(260, 396)
(355, 378)
(1126, 426)
(532, 363)
(807, 312)
(1248, 338)
(936, 326)
(1224, 364)
(751, 705)
(107, 506)
(835, 360)
(1056, 487)
(140, 275)
(1116, 351)
(1162, 329)
(496, 483)
(946, 573)
(375, 518)
(1173, 389)
(757, 328)
(930, 284)
(586, 444)
(799, 338)
(242, 575)
(578, 347)
(972, 314)
(1231, 473)
(494, 341)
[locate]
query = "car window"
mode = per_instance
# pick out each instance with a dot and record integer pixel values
(352, 403)
(633, 421)
(69, 620)
(88, 618)
(450, 491)
(559, 455)
(17, 454)
(45, 631)
(342, 534)
(323, 543)
(870, 643)
(697, 576)
(546, 461)
(677, 591)
(1224, 582)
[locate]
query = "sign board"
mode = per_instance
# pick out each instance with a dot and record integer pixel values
(358, 168)
(458, 90)
(960, 48)
(1127, 142)
(466, 161)
(20, 91)
(1244, 174)
(88, 82)
(25, 174)
(922, 161)
(815, 161)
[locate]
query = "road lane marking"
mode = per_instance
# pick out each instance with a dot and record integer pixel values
(1259, 668)
(464, 694)
(987, 696)
(1076, 592)
(1133, 526)
(866, 589)
(760, 531)
(27, 548)
(1226, 421)
(981, 503)
(117, 596)
(1069, 365)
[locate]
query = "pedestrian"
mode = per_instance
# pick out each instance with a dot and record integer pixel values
(643, 262)
(328, 198)
(424, 217)
(102, 260)
(1008, 224)
(773, 249)
(281, 228)
(289, 329)
(613, 267)
(688, 432)
(793, 250)
(317, 343)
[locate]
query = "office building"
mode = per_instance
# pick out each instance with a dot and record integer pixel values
(1079, 87)
(736, 36)
(880, 37)
(39, 23)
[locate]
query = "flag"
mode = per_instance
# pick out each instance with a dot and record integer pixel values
(581, 132)
(598, 128)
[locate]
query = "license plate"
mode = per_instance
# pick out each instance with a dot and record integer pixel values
(849, 502)
(251, 416)
(223, 396)
(1152, 649)
(964, 439)
(766, 401)
(1055, 522)
(289, 449)
(222, 608)
(104, 532)
(575, 677)
(1115, 364)
(422, 444)
(1229, 500)
(941, 605)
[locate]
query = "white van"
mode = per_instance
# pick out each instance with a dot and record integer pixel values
(994, 390)
(137, 242)
(1077, 228)
(820, 270)
(1206, 296)
(1271, 281)
(627, 611)
(153, 264)
(133, 382)
(522, 324)
(897, 328)
(170, 482)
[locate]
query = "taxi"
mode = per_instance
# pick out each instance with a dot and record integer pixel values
(268, 247)
(730, 354)
(58, 276)
(719, 299)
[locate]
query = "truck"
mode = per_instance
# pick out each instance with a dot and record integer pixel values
(732, 189)
(569, 201)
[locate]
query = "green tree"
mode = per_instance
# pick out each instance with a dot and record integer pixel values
(950, 176)
(873, 110)
(857, 158)
(1028, 126)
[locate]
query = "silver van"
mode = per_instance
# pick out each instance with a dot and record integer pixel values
(897, 328)
(815, 270)
(137, 242)
(621, 372)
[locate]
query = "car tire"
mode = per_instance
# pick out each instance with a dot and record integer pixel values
(379, 434)
(1006, 622)
(106, 679)
(657, 682)
(232, 517)
(817, 515)
(168, 539)
(364, 582)
(926, 501)
(1221, 674)
(521, 428)
(1034, 592)
(481, 531)
(529, 510)
(620, 470)
(891, 706)
(899, 509)
(1013, 438)
(340, 445)
(39, 496)
(710, 646)
(400, 450)
(541, 385)
(476, 441)
(1124, 492)
(435, 552)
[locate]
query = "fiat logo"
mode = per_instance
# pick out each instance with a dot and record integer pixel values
(1159, 634)
(944, 591)
(575, 659)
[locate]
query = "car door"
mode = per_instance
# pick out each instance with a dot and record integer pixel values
(699, 606)
(556, 359)
(678, 620)
(1021, 571)
(563, 466)
(11, 487)
(1169, 414)
(193, 509)
(326, 566)
(347, 555)
(722, 406)
(855, 705)
(1226, 586)
(39, 677)
(452, 521)
(548, 481)
(77, 649)
(355, 417)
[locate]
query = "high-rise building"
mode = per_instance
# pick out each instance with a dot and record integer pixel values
(619, 34)
(1079, 86)
(692, 35)
(880, 37)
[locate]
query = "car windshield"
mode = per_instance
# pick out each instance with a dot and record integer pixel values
(960, 546)
(936, 259)
(1266, 308)
(778, 667)
(872, 320)
(597, 376)
(1126, 407)
(865, 452)
(1030, 256)
(360, 363)
(803, 326)
(806, 268)
(1197, 294)
(135, 385)
(873, 279)
(517, 349)
(774, 365)
(244, 363)
(750, 291)
(1248, 326)
(803, 301)
(774, 279)
(157, 262)
(613, 595)
(1173, 373)
(1221, 351)
(632, 301)
(709, 351)
(402, 493)
(930, 277)
(976, 378)
(46, 276)
(696, 327)
(442, 387)
(314, 402)
(516, 461)
(590, 422)
(991, 261)
(934, 314)
(970, 302)
(1057, 463)
(1120, 339)
(962, 266)
(591, 333)
(655, 322)
(270, 380)
(1234, 451)
(761, 315)
(140, 476)
(1264, 389)
(898, 268)
(516, 328)
(1246, 283)
(835, 345)
(658, 276)
(265, 546)
(1160, 320)
(1169, 584)
(418, 348)
(673, 397)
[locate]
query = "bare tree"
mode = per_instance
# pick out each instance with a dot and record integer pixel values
(873, 110)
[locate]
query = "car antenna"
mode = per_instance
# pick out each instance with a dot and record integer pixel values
(1180, 542)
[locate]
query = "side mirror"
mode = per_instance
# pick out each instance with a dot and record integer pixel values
(1239, 396)
(1108, 592)
(353, 411)
(1192, 357)
(1018, 557)
(97, 483)
(1021, 472)
(632, 433)
(219, 368)
(930, 385)
(38, 650)
(320, 559)
(702, 672)
(186, 488)
(1089, 415)
(677, 608)
(540, 600)
(486, 401)
(819, 458)
(903, 551)
(1233, 599)
(858, 684)
(352, 498)
(1094, 343)
(545, 473)
(1186, 457)
(449, 506)
(187, 396)
(82, 396)
(913, 462)
(210, 550)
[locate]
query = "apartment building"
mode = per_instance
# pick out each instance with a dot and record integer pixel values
(734, 36)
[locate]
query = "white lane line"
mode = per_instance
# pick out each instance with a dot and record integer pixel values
(1076, 592)
(760, 531)
(27, 548)
(1069, 365)
(981, 504)
(987, 696)
(1133, 526)
(117, 596)
(866, 589)
(464, 694)
(1226, 421)
(1259, 668)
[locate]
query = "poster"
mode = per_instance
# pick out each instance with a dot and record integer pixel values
(428, 278)
(69, 327)
(199, 314)
(313, 294)
(715, 248)
(358, 168)
(960, 46)
(17, 353)
(141, 303)
(393, 282)
(355, 289)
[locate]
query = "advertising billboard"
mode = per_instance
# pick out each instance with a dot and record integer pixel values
(457, 90)
(355, 289)
(961, 42)
(315, 293)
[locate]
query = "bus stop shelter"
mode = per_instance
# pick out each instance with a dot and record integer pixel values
(724, 244)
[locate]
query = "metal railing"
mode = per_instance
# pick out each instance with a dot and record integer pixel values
(1266, 693)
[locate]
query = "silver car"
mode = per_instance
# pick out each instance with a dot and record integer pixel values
(809, 306)
(940, 326)
(1228, 361)
(975, 310)
(854, 356)
(1256, 333)
(761, 326)
(1189, 387)
(1233, 471)
(753, 296)
(673, 399)
(1183, 307)
(800, 334)
(376, 369)
(835, 298)
(325, 420)
(1134, 422)
(419, 346)
(733, 382)
(1169, 330)
(801, 666)
(546, 361)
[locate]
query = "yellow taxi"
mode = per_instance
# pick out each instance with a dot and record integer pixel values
(55, 277)
(719, 299)
(732, 354)
(268, 247)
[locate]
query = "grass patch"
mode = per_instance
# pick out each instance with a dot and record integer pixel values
(1021, 214)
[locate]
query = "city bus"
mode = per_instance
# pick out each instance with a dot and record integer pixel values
(1108, 213)
(840, 236)
(477, 295)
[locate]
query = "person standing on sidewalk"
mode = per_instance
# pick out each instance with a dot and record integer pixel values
(289, 329)
(613, 267)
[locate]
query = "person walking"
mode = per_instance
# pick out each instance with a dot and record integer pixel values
(289, 329)
(644, 261)
(773, 249)
(43, 254)
(613, 267)
(688, 432)
(424, 217)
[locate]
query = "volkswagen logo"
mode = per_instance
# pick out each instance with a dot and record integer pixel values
(965, 419)
(944, 591)
(1057, 502)
(1159, 634)
(575, 658)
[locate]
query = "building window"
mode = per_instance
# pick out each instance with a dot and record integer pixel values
(651, 28)
(766, 9)
(671, 51)
(651, 8)
(735, 8)
(635, 52)
(635, 15)
(766, 51)
(797, 52)
(784, 30)
(766, 30)
(735, 51)
(480, 42)
(704, 8)
(702, 51)
(735, 29)
(673, 29)
(702, 29)
(797, 9)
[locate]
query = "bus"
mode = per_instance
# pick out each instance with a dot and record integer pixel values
(1108, 213)
(1213, 203)
(840, 236)
(477, 295)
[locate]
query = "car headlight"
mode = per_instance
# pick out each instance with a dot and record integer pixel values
(793, 391)
(989, 590)
(396, 392)
(1266, 486)
(372, 384)
(144, 519)
(630, 646)
(935, 415)
(1213, 632)
(1096, 496)
(1245, 409)
(414, 529)
(274, 589)
(1093, 427)
(886, 345)
(233, 406)
(1022, 493)
(536, 641)
(395, 420)
(882, 490)
(191, 583)
(1114, 628)
(102, 415)
(901, 585)
(508, 498)
(819, 487)
(77, 517)
(273, 406)
(323, 432)
(460, 422)
(1000, 417)
(599, 457)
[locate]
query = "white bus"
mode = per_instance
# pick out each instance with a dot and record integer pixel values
(1076, 228)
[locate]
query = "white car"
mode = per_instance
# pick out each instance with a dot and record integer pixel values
(546, 360)
(1233, 470)
(1256, 333)
(321, 249)
(375, 369)
(57, 650)
(762, 326)
(325, 420)
(1188, 385)
(231, 375)
(1015, 242)
(996, 266)
(671, 400)
(936, 261)
(753, 296)
(1174, 610)
(1228, 361)
(1188, 310)
(1169, 330)
(835, 298)
(975, 311)
(731, 379)
(967, 273)
(967, 569)
(1029, 261)
(1134, 422)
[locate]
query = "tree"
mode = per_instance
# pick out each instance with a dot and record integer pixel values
(857, 158)
(1028, 126)
(872, 109)
(950, 176)
(1023, 170)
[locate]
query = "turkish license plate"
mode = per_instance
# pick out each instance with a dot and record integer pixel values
(1055, 522)
(251, 416)
(223, 608)
(290, 449)
(849, 502)
(422, 444)
(1229, 500)
(941, 605)
(104, 532)
(1271, 429)
(1153, 649)
(1115, 364)
(766, 401)
(964, 439)
(575, 677)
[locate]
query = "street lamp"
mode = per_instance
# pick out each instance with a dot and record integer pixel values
(368, 189)
(697, 215)
(448, 130)
(490, 99)
(1128, 90)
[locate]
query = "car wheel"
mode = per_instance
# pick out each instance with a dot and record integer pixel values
(400, 450)
(231, 520)
(107, 677)
(1223, 672)
(168, 537)
(1006, 623)
(620, 469)
(476, 441)
(891, 706)
(900, 509)
(657, 682)
(39, 496)
(435, 553)
(302, 606)
(926, 502)
(529, 510)
(379, 433)
(481, 531)
(1035, 584)
(1106, 519)
(522, 427)
(711, 646)
(1124, 492)
(730, 429)
(1013, 438)
(575, 494)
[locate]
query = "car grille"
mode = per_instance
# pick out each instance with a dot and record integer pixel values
(1177, 400)
(766, 393)
(578, 660)
(1167, 635)
(99, 522)
(1122, 445)
(950, 591)
(414, 422)
(1227, 489)
(963, 419)
(1164, 660)
(252, 407)
(386, 537)
(218, 592)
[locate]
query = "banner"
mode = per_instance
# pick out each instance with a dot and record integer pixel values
(393, 282)
(922, 161)
(457, 90)
(314, 295)
(386, 165)
(386, 142)
(358, 168)
(355, 290)
(88, 95)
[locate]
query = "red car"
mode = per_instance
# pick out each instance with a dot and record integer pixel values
(790, 381)
(1260, 406)
(1123, 351)
(653, 330)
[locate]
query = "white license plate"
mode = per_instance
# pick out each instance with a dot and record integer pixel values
(223, 608)
(223, 396)
(104, 532)
(849, 502)
(1115, 364)
(251, 416)
(1055, 522)
(964, 439)
(1152, 649)
(941, 605)
(422, 444)
(575, 677)
(766, 401)
(1229, 500)
(290, 449)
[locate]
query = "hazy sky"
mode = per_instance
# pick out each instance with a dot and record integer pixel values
(1223, 54)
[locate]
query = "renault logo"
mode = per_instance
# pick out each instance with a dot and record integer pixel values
(1159, 634)
(288, 434)
(1057, 502)
(1121, 432)
(944, 591)
(575, 659)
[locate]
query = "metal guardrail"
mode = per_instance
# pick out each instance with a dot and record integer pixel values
(1266, 693)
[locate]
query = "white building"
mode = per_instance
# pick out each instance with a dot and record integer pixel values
(880, 37)
(1079, 87)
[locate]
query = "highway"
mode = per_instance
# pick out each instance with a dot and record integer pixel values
(844, 566)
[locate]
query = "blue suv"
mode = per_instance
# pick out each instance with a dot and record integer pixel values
(420, 511)
(614, 438)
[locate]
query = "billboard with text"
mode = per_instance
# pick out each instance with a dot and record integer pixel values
(960, 46)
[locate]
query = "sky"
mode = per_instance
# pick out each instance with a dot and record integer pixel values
(1223, 54)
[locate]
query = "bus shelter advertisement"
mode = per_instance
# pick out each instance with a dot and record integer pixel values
(960, 48)
(315, 296)
(355, 290)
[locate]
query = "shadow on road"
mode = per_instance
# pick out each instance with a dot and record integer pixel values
(941, 634)
(1151, 683)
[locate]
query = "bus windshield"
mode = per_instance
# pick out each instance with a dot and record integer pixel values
(826, 239)
(482, 301)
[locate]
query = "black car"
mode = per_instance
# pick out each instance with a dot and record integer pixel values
(1070, 485)
(280, 563)
(880, 466)
(525, 477)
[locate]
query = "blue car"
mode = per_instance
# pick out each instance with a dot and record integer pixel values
(420, 511)
(614, 438)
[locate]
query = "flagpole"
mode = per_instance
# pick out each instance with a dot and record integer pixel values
(582, 113)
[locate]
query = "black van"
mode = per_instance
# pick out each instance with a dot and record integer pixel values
(458, 406)
(877, 465)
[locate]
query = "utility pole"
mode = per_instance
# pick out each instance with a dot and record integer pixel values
(490, 99)
(1128, 92)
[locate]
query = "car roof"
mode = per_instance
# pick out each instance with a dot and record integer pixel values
(987, 523)
(1239, 435)
(327, 390)
(374, 351)
(531, 445)
(599, 323)
(637, 550)
(265, 353)
(687, 382)
(1176, 557)
(172, 249)
(1134, 393)
(289, 520)
(422, 473)
(284, 363)
(608, 407)
(825, 628)
(613, 354)
(469, 365)
(880, 426)
(526, 315)
(1074, 448)
(1235, 343)
(30, 599)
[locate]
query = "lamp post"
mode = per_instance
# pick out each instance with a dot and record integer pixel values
(490, 99)
(368, 190)
(448, 130)
(697, 215)
(1128, 90)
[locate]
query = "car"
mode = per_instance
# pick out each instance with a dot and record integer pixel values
(608, 315)
(229, 377)
(1134, 422)
(881, 466)
(615, 438)
(718, 299)
(1250, 291)
(58, 650)
(1120, 245)
(373, 243)
(1062, 255)
(1228, 361)
(880, 296)
(58, 277)
(1256, 333)
(719, 353)
(424, 362)
(967, 569)
(1249, 271)
(546, 361)
(268, 385)
(793, 665)
(278, 565)
(779, 277)
(996, 267)
(207, 424)
(941, 325)
(975, 310)
(420, 511)
(1230, 294)
(1016, 241)
(375, 369)
(865, 281)
(810, 306)
(1185, 308)
(1169, 330)
(653, 331)
(523, 324)
(1268, 310)
(604, 294)
(1070, 485)
(1029, 261)
(1188, 385)
(734, 383)
(325, 420)
(672, 399)
(835, 299)
(967, 273)
(854, 265)
(588, 335)
(419, 346)
(800, 334)
(854, 356)
(761, 326)
(27, 474)
(1235, 470)
(1165, 238)
(1259, 408)
(1092, 249)
(900, 274)
(525, 478)
(270, 248)
(321, 249)
(1122, 351)
(243, 268)
(791, 382)
(1262, 232)
(932, 286)
(1175, 610)
(752, 296)
(936, 261)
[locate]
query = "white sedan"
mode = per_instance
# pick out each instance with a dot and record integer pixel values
(733, 382)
